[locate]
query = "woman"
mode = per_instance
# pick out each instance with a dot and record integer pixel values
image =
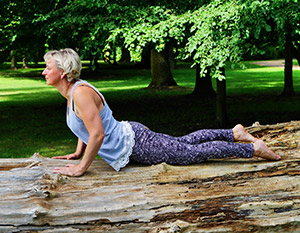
(91, 120)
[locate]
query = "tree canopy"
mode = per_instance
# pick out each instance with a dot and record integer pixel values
(18, 30)
(209, 32)
(216, 32)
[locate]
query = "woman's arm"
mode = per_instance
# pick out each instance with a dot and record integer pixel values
(87, 104)
(77, 154)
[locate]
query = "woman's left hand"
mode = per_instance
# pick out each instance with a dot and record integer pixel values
(69, 170)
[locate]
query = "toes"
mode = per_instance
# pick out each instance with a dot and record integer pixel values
(261, 150)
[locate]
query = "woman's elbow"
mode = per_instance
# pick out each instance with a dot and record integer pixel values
(99, 136)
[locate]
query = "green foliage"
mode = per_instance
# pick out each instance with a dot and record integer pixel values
(18, 32)
(213, 32)
(86, 24)
(158, 32)
(210, 35)
(269, 22)
(216, 36)
(208, 31)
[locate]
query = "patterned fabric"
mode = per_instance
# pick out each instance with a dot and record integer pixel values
(153, 148)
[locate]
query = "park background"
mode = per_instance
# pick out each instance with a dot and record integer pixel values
(175, 66)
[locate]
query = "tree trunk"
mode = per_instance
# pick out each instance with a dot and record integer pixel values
(296, 52)
(24, 66)
(94, 65)
(146, 59)
(221, 107)
(231, 195)
(13, 63)
(114, 54)
(172, 61)
(203, 86)
(125, 56)
(288, 65)
(160, 70)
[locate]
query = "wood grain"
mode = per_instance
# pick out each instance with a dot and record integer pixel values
(232, 195)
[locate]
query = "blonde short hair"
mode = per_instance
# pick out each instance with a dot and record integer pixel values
(67, 60)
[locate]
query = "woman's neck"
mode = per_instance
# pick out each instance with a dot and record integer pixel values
(65, 88)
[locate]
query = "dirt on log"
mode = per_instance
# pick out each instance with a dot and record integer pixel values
(232, 195)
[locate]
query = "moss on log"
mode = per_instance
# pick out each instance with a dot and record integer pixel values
(232, 195)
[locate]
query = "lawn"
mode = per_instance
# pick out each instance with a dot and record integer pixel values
(32, 117)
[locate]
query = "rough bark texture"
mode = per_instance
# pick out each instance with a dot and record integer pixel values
(288, 65)
(13, 63)
(233, 195)
(160, 70)
(203, 86)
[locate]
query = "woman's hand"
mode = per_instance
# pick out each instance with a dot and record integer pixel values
(68, 157)
(70, 170)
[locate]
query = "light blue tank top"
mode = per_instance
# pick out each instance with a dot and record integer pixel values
(119, 136)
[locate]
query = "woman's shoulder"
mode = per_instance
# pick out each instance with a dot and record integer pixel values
(82, 90)
(86, 91)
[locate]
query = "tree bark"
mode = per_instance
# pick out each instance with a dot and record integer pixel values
(230, 195)
(221, 107)
(125, 56)
(203, 86)
(146, 59)
(160, 70)
(171, 58)
(13, 63)
(296, 52)
(288, 65)
(24, 65)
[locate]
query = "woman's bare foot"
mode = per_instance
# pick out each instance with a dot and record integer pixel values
(240, 134)
(262, 150)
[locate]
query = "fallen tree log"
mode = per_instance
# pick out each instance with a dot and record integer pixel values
(232, 195)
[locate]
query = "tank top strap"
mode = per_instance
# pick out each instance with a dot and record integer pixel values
(82, 82)
(71, 96)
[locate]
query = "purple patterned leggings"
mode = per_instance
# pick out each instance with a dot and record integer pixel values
(154, 148)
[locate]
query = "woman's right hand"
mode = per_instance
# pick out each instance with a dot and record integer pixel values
(68, 157)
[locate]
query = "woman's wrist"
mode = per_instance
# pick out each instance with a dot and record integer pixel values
(77, 154)
(83, 167)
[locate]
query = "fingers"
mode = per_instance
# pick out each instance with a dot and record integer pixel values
(69, 170)
(63, 171)
(60, 157)
(60, 170)
(68, 157)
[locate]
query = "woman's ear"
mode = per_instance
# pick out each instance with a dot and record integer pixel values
(62, 74)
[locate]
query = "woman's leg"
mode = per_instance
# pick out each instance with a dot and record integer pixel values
(200, 136)
(204, 135)
(154, 148)
(238, 133)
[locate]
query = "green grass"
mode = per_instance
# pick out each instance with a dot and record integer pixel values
(32, 117)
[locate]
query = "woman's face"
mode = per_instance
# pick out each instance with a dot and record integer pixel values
(51, 72)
